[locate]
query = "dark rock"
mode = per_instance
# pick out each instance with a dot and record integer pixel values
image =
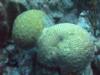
(4, 29)
(13, 9)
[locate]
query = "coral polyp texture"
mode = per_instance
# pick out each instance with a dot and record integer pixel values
(67, 46)
(28, 26)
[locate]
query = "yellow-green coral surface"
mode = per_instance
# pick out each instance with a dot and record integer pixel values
(67, 46)
(28, 26)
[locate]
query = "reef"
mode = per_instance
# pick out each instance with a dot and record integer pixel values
(49, 37)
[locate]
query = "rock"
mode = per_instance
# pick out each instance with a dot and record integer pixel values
(4, 29)
(11, 71)
(84, 21)
(87, 71)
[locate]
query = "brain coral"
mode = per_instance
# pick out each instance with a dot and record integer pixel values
(67, 46)
(28, 26)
